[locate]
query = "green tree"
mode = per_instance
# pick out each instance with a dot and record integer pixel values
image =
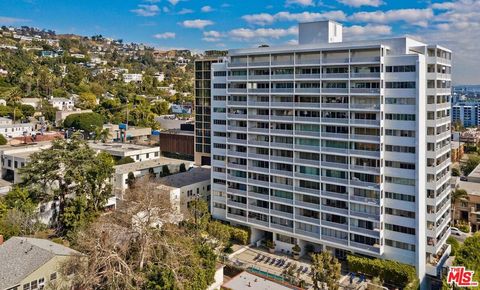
(69, 169)
(471, 164)
(326, 271)
(455, 171)
(161, 108)
(88, 122)
(125, 160)
(160, 279)
(468, 255)
(457, 195)
(86, 100)
(165, 170)
(3, 140)
(455, 245)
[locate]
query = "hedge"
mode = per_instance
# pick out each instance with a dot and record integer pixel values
(391, 272)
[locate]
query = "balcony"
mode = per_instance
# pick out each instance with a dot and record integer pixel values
(254, 117)
(281, 227)
(327, 60)
(258, 143)
(311, 191)
(281, 172)
(314, 235)
(364, 215)
(282, 214)
(370, 185)
(237, 78)
(334, 105)
(236, 178)
(335, 195)
(335, 240)
(259, 63)
(307, 119)
(307, 76)
(370, 138)
(237, 64)
(365, 122)
(237, 116)
(335, 210)
(373, 233)
(307, 133)
(259, 183)
(236, 217)
(365, 106)
(236, 153)
(335, 120)
(309, 205)
(334, 135)
(305, 105)
(314, 148)
(237, 166)
(365, 59)
(307, 161)
(237, 103)
(365, 153)
(281, 118)
(335, 76)
(258, 196)
(281, 199)
(236, 128)
(236, 204)
(258, 104)
(335, 225)
(281, 132)
(258, 130)
(281, 186)
(260, 209)
(307, 219)
(237, 191)
(366, 91)
(282, 104)
(282, 62)
(258, 222)
(308, 90)
(258, 169)
(335, 150)
(307, 176)
(315, 61)
(236, 141)
(434, 267)
(282, 77)
(369, 169)
(258, 90)
(281, 158)
(282, 90)
(334, 165)
(237, 90)
(365, 75)
(334, 91)
(371, 248)
(259, 77)
(341, 181)
(282, 145)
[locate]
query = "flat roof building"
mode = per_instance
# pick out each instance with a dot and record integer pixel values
(344, 146)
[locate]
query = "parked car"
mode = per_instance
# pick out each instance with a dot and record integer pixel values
(456, 231)
(463, 178)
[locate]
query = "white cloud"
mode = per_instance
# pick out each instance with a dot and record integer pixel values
(166, 9)
(292, 42)
(174, 2)
(11, 20)
(207, 9)
(197, 23)
(417, 17)
(300, 2)
(212, 36)
(366, 32)
(265, 18)
(146, 10)
(185, 11)
(262, 33)
(358, 3)
(165, 35)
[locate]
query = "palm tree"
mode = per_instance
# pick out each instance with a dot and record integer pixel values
(458, 195)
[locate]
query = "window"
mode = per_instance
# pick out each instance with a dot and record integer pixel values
(400, 245)
(400, 101)
(26, 286)
(219, 73)
(53, 276)
(400, 229)
(400, 212)
(400, 85)
(400, 165)
(400, 149)
(219, 86)
(400, 180)
(400, 117)
(400, 68)
(400, 133)
(400, 196)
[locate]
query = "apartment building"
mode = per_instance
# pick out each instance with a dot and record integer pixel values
(466, 114)
(203, 110)
(344, 146)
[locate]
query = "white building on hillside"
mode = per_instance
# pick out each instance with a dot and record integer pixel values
(127, 78)
(341, 145)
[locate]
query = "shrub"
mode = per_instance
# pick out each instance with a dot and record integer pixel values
(239, 235)
(182, 167)
(296, 249)
(464, 227)
(3, 140)
(125, 160)
(455, 171)
(391, 272)
(270, 244)
(84, 121)
(455, 245)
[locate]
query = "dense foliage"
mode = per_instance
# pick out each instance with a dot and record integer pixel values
(87, 122)
(390, 272)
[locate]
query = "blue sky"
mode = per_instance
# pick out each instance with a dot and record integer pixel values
(219, 24)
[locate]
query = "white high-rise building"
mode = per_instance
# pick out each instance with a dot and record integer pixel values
(344, 146)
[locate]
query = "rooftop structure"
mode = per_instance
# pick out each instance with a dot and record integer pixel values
(246, 280)
(122, 150)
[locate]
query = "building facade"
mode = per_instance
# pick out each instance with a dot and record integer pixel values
(343, 146)
(466, 114)
(203, 110)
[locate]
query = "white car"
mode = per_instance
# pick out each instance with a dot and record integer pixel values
(456, 231)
